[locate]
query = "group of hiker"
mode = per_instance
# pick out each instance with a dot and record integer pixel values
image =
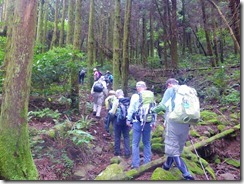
(139, 114)
(96, 75)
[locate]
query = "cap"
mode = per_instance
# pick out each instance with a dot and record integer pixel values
(111, 92)
(171, 81)
(94, 69)
(107, 71)
(141, 84)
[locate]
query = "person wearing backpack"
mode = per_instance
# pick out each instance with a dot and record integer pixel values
(119, 111)
(82, 75)
(108, 105)
(141, 126)
(175, 133)
(98, 91)
(96, 74)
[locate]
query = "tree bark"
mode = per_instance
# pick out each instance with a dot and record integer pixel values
(61, 37)
(55, 29)
(16, 162)
(116, 46)
(125, 62)
(90, 53)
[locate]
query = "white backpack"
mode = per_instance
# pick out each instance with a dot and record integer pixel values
(187, 106)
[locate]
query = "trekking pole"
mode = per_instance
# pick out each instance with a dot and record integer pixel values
(199, 159)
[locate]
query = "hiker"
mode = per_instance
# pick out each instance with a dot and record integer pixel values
(96, 74)
(175, 133)
(99, 91)
(108, 105)
(108, 77)
(120, 126)
(140, 127)
(82, 75)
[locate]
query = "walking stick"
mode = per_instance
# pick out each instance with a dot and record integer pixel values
(199, 159)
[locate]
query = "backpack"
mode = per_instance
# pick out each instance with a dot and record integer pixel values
(98, 87)
(121, 111)
(144, 113)
(99, 74)
(187, 105)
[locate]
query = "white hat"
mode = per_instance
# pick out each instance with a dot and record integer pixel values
(141, 84)
(94, 69)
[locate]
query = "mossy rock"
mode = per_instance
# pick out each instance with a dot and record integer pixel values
(115, 160)
(233, 162)
(158, 132)
(111, 171)
(221, 127)
(160, 174)
(207, 115)
(158, 148)
(157, 140)
(235, 116)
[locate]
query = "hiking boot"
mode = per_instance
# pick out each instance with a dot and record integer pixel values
(94, 113)
(98, 117)
(133, 167)
(189, 177)
(165, 168)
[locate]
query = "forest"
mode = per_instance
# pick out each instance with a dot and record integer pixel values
(47, 127)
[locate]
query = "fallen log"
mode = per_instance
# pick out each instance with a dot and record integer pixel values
(134, 173)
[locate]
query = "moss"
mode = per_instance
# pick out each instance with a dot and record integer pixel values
(235, 116)
(111, 171)
(194, 133)
(221, 127)
(193, 167)
(158, 148)
(233, 162)
(156, 140)
(131, 173)
(211, 172)
(208, 115)
(115, 160)
(158, 132)
(160, 174)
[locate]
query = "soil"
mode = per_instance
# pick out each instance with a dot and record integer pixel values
(52, 164)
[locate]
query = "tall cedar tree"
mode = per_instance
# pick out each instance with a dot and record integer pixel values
(116, 45)
(16, 162)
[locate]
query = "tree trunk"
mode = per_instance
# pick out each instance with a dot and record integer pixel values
(207, 35)
(71, 19)
(61, 37)
(116, 45)
(174, 34)
(90, 56)
(55, 29)
(45, 44)
(125, 63)
(40, 23)
(75, 69)
(16, 162)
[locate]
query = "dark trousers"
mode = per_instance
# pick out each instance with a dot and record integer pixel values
(81, 79)
(109, 119)
(119, 130)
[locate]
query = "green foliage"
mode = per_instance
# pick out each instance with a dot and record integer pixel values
(78, 136)
(233, 97)
(53, 68)
(44, 113)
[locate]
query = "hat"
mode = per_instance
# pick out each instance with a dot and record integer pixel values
(107, 71)
(102, 78)
(94, 69)
(111, 92)
(141, 84)
(171, 81)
